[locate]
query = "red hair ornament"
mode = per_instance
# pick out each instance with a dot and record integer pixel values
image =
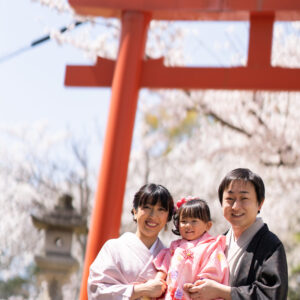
(184, 200)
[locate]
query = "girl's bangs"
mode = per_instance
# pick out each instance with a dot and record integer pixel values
(189, 212)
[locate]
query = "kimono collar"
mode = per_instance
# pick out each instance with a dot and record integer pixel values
(249, 233)
(152, 248)
(234, 246)
(235, 249)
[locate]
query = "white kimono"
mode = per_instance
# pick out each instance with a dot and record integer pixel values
(121, 263)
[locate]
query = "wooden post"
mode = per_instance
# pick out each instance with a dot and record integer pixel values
(107, 211)
(260, 40)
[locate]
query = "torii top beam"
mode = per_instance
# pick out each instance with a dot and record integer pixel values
(285, 10)
(257, 75)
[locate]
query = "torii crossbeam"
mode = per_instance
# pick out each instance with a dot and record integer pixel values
(130, 72)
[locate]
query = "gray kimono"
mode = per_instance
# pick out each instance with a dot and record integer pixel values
(262, 273)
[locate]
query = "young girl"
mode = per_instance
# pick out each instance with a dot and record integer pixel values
(197, 255)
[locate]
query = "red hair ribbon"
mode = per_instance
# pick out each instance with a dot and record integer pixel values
(184, 200)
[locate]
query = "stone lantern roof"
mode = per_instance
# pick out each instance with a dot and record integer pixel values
(63, 217)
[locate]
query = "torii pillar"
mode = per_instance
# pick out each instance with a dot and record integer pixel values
(107, 211)
(130, 72)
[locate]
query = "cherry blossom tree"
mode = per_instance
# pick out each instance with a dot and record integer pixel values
(37, 167)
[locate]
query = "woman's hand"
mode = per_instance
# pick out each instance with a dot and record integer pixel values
(152, 288)
(155, 287)
(207, 289)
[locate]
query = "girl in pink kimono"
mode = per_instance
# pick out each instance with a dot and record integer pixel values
(197, 255)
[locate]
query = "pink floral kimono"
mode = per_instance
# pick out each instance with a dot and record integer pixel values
(188, 261)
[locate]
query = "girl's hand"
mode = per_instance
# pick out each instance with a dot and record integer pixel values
(187, 286)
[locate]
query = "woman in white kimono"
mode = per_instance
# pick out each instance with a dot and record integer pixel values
(123, 268)
(256, 256)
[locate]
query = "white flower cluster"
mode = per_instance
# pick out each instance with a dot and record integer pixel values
(60, 6)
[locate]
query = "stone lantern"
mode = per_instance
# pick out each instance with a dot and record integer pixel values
(56, 263)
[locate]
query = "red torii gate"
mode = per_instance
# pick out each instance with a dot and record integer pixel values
(131, 72)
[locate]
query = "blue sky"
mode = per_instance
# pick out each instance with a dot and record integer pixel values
(32, 83)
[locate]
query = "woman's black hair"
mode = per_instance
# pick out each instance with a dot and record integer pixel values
(194, 208)
(152, 193)
(245, 175)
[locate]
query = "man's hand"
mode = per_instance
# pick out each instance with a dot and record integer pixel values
(207, 289)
